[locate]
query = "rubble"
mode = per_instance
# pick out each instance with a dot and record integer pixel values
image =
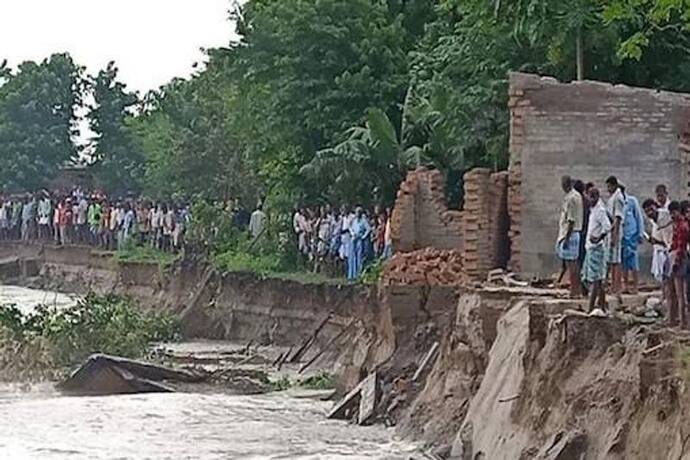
(430, 267)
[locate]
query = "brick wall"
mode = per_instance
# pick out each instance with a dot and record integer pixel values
(588, 130)
(485, 222)
(499, 221)
(421, 219)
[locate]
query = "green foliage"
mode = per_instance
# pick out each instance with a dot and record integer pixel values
(132, 253)
(309, 70)
(118, 162)
(38, 120)
(372, 273)
(240, 261)
(647, 23)
(281, 384)
(321, 381)
(190, 140)
(96, 324)
(12, 319)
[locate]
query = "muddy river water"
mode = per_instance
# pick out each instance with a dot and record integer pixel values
(38, 423)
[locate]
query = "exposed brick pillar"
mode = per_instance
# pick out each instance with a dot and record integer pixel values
(518, 104)
(403, 219)
(477, 246)
(499, 221)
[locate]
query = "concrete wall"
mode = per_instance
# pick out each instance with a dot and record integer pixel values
(588, 130)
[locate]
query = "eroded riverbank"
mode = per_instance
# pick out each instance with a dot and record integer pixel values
(212, 424)
(512, 372)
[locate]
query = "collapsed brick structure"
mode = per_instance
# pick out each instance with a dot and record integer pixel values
(476, 237)
(431, 267)
(588, 130)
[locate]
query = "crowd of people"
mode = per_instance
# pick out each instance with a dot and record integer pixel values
(599, 242)
(93, 219)
(342, 240)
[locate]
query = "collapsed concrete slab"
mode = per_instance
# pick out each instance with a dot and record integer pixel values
(108, 375)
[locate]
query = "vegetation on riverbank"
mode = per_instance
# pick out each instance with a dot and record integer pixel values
(321, 381)
(47, 342)
(145, 254)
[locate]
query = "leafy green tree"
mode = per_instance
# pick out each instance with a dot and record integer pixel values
(188, 136)
(308, 70)
(373, 156)
(37, 120)
(647, 21)
(116, 159)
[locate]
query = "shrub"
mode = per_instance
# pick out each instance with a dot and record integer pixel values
(96, 324)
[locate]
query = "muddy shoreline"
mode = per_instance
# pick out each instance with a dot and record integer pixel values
(517, 372)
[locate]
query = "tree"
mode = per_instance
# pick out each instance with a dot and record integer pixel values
(646, 21)
(189, 139)
(37, 120)
(116, 159)
(373, 156)
(308, 70)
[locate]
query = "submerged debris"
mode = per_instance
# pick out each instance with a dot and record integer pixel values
(108, 375)
(360, 403)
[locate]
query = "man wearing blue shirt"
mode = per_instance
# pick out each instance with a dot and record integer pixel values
(633, 231)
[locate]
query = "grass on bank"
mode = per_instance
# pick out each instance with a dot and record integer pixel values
(320, 381)
(47, 342)
(145, 255)
(268, 266)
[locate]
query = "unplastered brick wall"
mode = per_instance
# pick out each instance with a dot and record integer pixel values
(485, 223)
(588, 130)
(421, 218)
(479, 232)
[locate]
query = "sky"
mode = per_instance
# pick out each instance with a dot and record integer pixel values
(151, 41)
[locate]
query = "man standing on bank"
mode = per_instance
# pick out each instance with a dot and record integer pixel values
(594, 269)
(569, 234)
(633, 230)
(616, 212)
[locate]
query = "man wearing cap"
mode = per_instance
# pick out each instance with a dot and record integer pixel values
(569, 233)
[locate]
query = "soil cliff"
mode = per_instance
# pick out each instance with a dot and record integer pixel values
(473, 372)
(536, 380)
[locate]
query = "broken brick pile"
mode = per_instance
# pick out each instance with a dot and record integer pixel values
(425, 267)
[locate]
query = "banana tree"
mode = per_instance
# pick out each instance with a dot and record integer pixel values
(376, 155)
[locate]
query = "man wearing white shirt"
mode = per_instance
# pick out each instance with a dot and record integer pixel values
(256, 222)
(660, 239)
(594, 269)
(662, 199)
(616, 213)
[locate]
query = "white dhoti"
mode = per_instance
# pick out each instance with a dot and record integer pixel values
(661, 263)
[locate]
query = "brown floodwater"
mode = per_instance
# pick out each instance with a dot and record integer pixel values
(39, 423)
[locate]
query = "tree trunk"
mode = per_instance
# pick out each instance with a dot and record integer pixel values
(580, 55)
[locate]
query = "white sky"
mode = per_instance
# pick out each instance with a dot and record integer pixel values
(152, 41)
